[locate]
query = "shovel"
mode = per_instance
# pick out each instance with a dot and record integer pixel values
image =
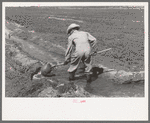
(92, 54)
(60, 64)
(98, 52)
(47, 68)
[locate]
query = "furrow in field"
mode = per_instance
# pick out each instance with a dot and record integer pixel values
(64, 19)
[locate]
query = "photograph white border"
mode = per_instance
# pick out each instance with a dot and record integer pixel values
(103, 109)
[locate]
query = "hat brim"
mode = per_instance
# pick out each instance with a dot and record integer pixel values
(77, 27)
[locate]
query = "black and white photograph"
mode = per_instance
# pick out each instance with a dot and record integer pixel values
(76, 51)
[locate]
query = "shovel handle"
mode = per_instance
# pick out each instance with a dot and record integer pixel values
(58, 65)
(101, 51)
(91, 55)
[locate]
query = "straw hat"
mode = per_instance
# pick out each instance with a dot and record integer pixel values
(73, 25)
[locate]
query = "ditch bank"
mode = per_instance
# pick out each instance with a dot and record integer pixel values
(20, 69)
(25, 59)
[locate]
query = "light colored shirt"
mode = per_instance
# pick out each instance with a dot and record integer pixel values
(81, 41)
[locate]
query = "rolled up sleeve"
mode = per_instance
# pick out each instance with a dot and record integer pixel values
(92, 40)
(69, 50)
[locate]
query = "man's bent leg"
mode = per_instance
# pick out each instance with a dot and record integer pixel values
(75, 60)
(88, 76)
(71, 76)
(88, 65)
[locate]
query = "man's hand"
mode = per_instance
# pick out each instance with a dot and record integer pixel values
(94, 53)
(66, 62)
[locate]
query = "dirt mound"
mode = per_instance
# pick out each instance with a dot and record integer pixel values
(66, 90)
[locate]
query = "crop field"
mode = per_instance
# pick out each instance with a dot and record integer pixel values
(121, 29)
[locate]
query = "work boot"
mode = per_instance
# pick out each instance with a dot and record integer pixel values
(88, 77)
(71, 76)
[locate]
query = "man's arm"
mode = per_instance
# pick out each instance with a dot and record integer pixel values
(92, 41)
